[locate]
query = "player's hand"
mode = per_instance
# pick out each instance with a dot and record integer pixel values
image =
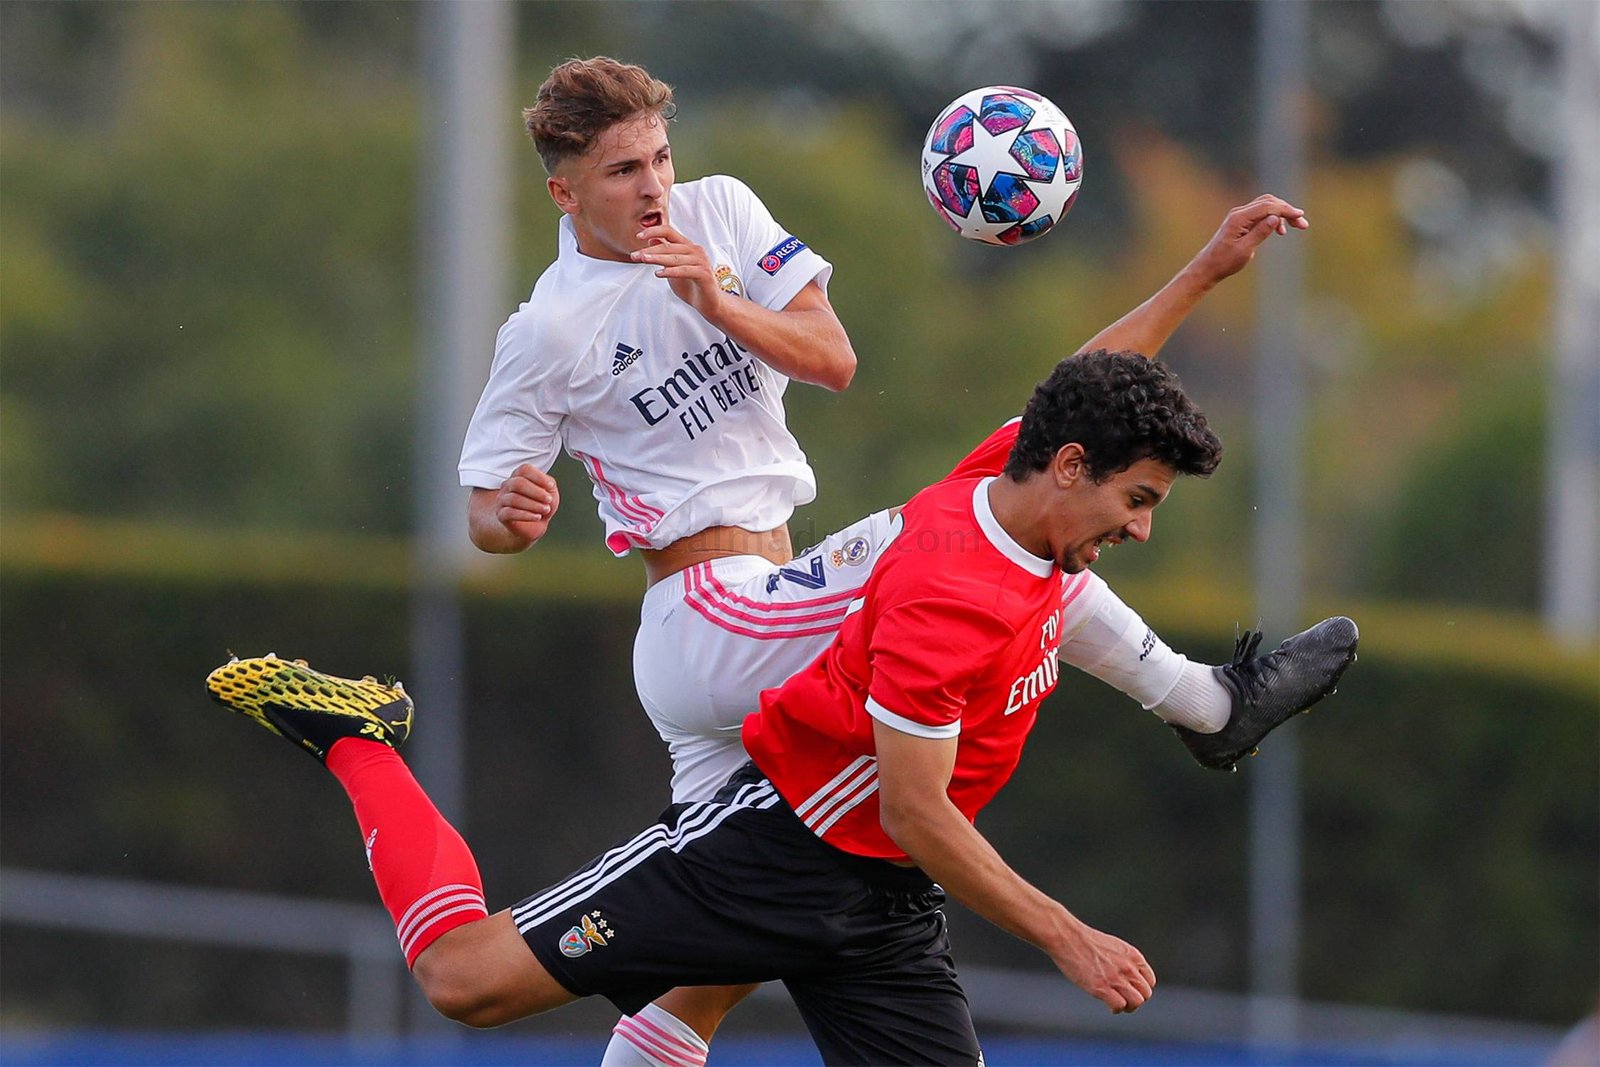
(1234, 244)
(527, 501)
(685, 265)
(1108, 969)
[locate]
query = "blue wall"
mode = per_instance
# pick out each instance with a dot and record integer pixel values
(488, 1050)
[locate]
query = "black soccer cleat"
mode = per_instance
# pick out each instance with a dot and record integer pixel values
(310, 708)
(1270, 690)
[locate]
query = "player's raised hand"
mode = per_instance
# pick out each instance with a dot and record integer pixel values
(1147, 327)
(684, 264)
(1234, 244)
(526, 502)
(1107, 968)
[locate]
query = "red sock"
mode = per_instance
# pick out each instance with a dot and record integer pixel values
(425, 873)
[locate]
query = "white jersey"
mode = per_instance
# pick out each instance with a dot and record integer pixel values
(678, 426)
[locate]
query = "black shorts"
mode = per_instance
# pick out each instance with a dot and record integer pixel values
(735, 890)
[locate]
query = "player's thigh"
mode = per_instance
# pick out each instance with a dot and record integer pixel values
(895, 997)
(724, 892)
(911, 1017)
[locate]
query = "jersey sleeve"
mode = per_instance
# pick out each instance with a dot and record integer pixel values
(924, 657)
(518, 418)
(774, 264)
(1081, 596)
(989, 458)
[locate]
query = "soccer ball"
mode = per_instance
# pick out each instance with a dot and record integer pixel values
(1001, 165)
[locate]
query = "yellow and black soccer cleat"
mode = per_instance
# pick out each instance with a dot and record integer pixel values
(308, 707)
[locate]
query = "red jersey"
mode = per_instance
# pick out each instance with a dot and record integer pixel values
(990, 456)
(954, 635)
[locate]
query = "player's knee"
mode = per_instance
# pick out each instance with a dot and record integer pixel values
(471, 1001)
(459, 994)
(483, 975)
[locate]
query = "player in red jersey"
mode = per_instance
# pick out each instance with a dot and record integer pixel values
(824, 862)
(708, 663)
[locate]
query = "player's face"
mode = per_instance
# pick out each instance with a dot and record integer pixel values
(1092, 515)
(618, 187)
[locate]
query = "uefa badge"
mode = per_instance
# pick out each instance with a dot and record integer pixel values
(780, 253)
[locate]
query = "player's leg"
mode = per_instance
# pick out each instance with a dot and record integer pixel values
(877, 1023)
(1221, 713)
(703, 1008)
(675, 1030)
(482, 974)
(710, 640)
(1269, 690)
(897, 1000)
(473, 967)
(721, 892)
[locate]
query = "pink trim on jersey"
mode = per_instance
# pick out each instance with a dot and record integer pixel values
(433, 906)
(707, 602)
(644, 517)
(658, 1043)
(647, 511)
(620, 542)
(1076, 583)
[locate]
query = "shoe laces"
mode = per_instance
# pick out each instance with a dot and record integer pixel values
(1246, 668)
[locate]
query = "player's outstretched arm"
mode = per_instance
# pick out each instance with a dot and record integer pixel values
(805, 341)
(513, 517)
(1147, 327)
(916, 812)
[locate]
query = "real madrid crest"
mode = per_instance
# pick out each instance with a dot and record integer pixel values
(729, 281)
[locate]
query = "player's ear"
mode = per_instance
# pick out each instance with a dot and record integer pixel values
(560, 190)
(1067, 465)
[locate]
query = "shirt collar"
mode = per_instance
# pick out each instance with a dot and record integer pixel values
(1003, 541)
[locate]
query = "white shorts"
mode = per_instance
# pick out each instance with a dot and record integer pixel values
(713, 636)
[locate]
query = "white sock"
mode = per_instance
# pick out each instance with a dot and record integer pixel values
(1108, 639)
(654, 1037)
(1199, 700)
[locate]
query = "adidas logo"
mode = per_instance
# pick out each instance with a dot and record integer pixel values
(623, 358)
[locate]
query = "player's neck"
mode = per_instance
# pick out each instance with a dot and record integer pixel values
(1019, 512)
(591, 244)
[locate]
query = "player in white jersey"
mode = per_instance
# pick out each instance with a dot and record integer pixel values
(656, 350)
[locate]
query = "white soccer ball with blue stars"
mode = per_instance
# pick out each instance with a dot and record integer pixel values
(1002, 165)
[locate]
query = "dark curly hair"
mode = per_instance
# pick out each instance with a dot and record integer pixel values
(1121, 407)
(582, 98)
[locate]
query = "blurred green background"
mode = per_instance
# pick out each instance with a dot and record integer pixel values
(210, 311)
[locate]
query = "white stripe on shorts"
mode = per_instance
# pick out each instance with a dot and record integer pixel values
(696, 821)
